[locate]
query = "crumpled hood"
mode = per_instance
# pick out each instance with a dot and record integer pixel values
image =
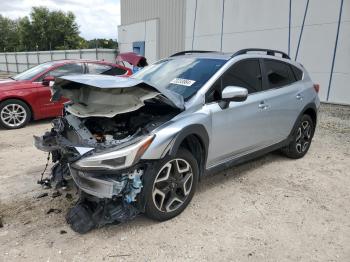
(107, 96)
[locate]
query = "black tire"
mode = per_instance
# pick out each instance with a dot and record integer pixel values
(25, 115)
(302, 137)
(161, 212)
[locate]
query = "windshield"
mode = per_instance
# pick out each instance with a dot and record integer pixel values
(184, 76)
(32, 72)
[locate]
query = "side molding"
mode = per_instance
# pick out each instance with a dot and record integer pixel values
(199, 131)
(307, 107)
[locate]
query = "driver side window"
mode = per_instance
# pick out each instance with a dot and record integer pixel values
(67, 69)
(245, 73)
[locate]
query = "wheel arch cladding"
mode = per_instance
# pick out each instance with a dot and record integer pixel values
(32, 113)
(195, 139)
(311, 110)
(312, 113)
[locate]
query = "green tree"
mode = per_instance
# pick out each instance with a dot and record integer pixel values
(25, 35)
(54, 30)
(102, 43)
(45, 30)
(9, 40)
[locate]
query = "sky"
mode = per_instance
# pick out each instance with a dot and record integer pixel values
(96, 18)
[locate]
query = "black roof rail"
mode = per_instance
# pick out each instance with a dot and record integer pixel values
(192, 52)
(268, 52)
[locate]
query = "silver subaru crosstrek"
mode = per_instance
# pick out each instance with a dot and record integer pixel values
(141, 144)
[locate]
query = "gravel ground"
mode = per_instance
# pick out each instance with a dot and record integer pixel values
(270, 209)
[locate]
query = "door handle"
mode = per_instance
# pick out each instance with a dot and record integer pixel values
(299, 97)
(263, 106)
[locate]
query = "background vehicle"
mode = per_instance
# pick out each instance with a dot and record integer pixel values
(141, 144)
(132, 60)
(27, 95)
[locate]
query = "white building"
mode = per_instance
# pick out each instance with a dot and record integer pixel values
(159, 28)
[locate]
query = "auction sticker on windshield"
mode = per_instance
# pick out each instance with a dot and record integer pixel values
(183, 82)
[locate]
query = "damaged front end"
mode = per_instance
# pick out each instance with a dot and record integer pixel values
(98, 143)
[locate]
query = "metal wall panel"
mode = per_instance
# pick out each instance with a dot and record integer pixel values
(265, 24)
(171, 15)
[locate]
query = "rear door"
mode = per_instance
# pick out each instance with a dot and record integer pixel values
(243, 127)
(283, 96)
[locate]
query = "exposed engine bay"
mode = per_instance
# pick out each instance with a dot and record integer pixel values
(104, 132)
(99, 156)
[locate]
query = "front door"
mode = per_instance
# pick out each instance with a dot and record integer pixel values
(243, 127)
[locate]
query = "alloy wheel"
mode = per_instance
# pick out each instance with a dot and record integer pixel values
(172, 185)
(303, 137)
(13, 115)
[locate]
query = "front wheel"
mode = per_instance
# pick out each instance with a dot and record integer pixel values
(302, 136)
(14, 114)
(170, 185)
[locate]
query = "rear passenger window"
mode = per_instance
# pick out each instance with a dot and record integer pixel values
(67, 69)
(278, 73)
(97, 68)
(245, 74)
(105, 69)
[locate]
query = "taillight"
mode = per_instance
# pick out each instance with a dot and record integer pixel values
(317, 87)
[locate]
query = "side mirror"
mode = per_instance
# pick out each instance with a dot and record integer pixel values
(46, 81)
(233, 94)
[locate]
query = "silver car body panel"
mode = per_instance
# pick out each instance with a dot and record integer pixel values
(264, 119)
(243, 127)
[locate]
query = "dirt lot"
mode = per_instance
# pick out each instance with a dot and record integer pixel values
(271, 209)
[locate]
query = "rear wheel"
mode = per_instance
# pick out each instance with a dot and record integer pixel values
(14, 114)
(302, 136)
(170, 186)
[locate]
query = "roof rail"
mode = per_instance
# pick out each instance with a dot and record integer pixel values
(268, 52)
(191, 52)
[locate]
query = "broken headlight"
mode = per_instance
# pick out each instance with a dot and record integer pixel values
(115, 160)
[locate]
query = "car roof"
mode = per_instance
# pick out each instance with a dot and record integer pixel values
(248, 53)
(68, 61)
(258, 52)
(207, 55)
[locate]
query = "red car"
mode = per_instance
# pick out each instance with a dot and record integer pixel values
(26, 96)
